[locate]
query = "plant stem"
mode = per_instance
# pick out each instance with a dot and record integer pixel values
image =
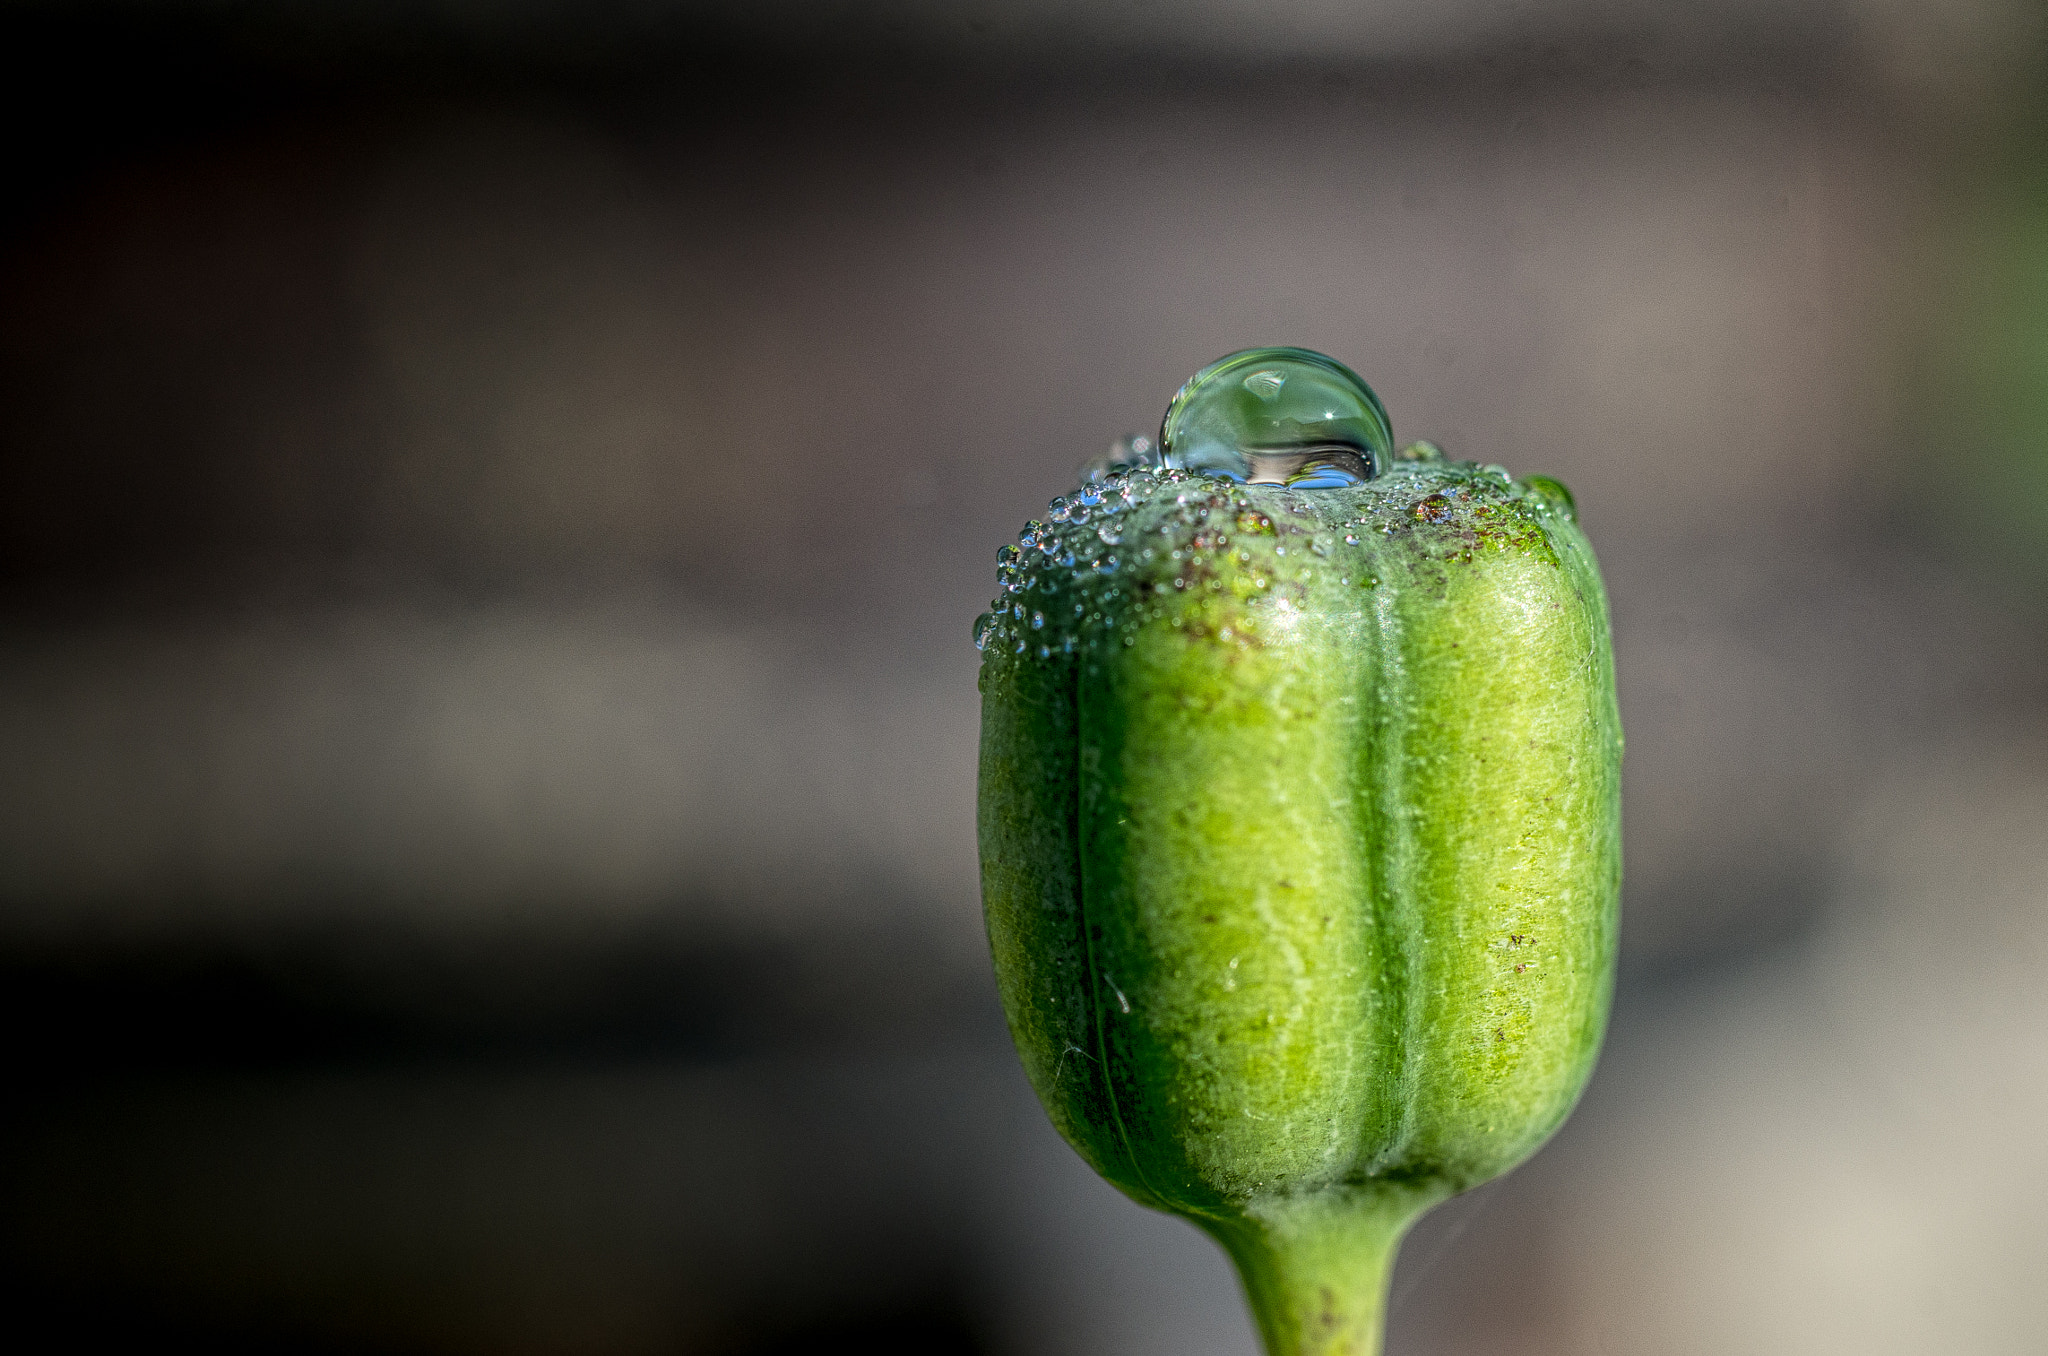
(1316, 1267)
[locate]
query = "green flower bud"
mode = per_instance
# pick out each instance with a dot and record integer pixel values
(1299, 818)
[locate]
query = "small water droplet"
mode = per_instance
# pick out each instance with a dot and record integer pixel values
(1057, 510)
(1128, 455)
(1351, 539)
(1278, 416)
(1552, 492)
(1038, 621)
(1436, 508)
(1421, 450)
(984, 630)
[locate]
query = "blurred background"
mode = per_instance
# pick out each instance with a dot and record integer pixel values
(493, 501)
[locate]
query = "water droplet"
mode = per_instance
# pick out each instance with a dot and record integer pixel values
(1006, 557)
(1110, 536)
(984, 630)
(1057, 510)
(1436, 508)
(1278, 416)
(1133, 453)
(1553, 493)
(1351, 539)
(1038, 621)
(1421, 450)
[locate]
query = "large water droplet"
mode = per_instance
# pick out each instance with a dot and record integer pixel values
(1278, 416)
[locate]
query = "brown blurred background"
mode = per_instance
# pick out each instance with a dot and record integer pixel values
(492, 506)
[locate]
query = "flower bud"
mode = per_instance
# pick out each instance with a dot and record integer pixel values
(1299, 820)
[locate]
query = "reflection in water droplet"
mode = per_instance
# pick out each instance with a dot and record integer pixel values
(1553, 493)
(1266, 384)
(1278, 416)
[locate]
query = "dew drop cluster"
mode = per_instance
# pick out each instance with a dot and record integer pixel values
(1138, 544)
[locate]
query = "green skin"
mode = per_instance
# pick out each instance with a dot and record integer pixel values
(1302, 875)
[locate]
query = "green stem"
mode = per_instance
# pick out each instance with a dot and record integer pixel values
(1315, 1267)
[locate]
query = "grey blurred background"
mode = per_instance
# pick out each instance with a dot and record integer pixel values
(493, 502)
